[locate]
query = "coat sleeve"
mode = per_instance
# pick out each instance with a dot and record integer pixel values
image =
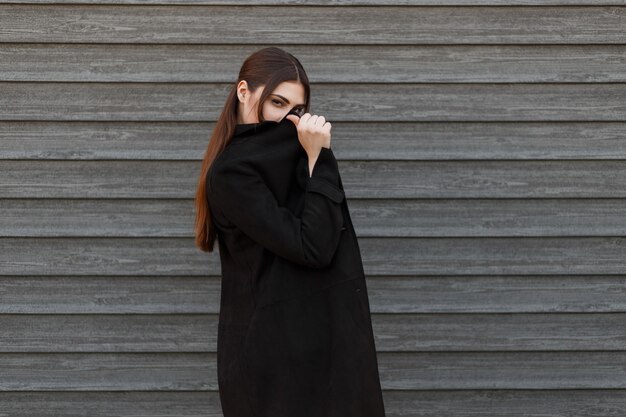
(239, 192)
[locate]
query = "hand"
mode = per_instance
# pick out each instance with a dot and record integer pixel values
(313, 133)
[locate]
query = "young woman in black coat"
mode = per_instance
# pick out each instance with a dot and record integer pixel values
(294, 335)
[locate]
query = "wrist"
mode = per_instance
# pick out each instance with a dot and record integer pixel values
(311, 165)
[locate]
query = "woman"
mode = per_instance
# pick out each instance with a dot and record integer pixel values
(294, 335)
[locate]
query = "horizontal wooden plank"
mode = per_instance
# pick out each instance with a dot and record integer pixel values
(371, 217)
(350, 140)
(387, 179)
(108, 371)
(387, 294)
(107, 404)
(110, 294)
(497, 294)
(502, 370)
(499, 332)
(392, 332)
(484, 217)
(361, 102)
(389, 256)
(398, 371)
(346, 25)
(334, 3)
(104, 218)
(502, 402)
(393, 64)
(102, 333)
(405, 403)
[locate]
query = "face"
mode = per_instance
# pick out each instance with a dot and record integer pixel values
(286, 96)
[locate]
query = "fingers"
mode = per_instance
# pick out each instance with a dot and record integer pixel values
(309, 119)
(314, 133)
(305, 118)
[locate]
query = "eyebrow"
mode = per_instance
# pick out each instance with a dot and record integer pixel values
(278, 95)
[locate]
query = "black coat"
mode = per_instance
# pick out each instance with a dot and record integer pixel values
(295, 335)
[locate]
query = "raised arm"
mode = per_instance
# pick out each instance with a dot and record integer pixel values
(238, 191)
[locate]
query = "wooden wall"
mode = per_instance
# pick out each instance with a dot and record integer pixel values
(482, 147)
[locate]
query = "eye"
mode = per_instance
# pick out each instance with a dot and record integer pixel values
(277, 102)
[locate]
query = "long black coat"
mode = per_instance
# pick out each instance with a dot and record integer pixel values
(295, 335)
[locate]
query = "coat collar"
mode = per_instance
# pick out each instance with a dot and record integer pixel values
(302, 165)
(242, 128)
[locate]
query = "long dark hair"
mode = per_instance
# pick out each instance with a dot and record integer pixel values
(266, 67)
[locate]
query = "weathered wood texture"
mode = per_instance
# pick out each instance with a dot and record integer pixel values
(482, 148)
(347, 25)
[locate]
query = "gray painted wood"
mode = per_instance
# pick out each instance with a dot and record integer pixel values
(399, 371)
(334, 2)
(491, 222)
(124, 371)
(89, 294)
(111, 403)
(350, 140)
(343, 25)
(388, 256)
(404, 332)
(503, 370)
(394, 179)
(505, 403)
(405, 403)
(392, 64)
(101, 294)
(109, 333)
(361, 102)
(371, 217)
